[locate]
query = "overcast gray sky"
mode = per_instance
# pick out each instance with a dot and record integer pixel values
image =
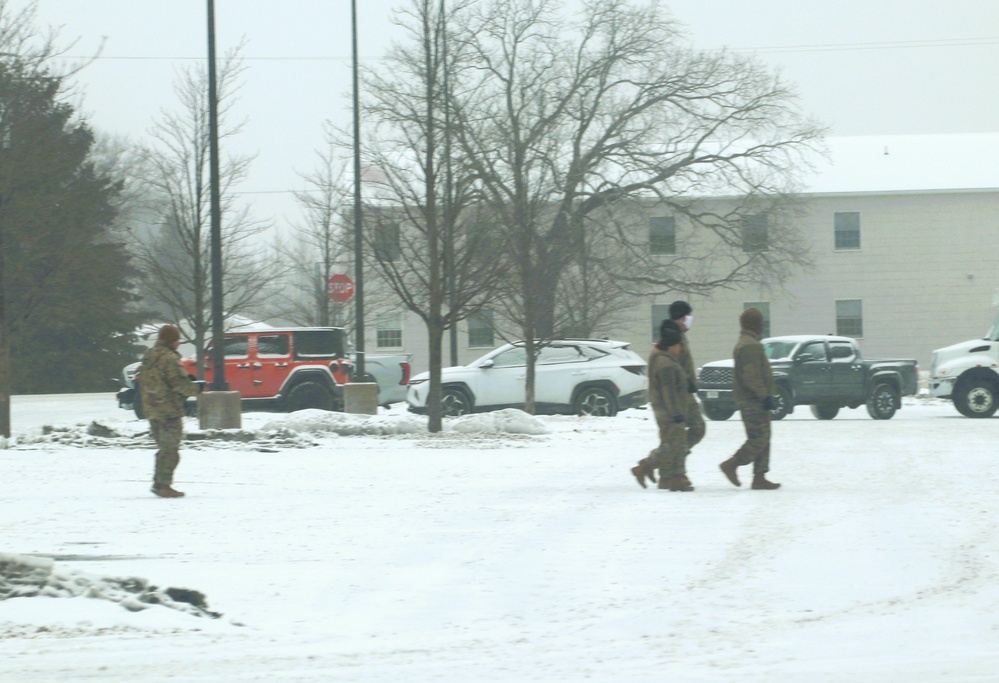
(863, 67)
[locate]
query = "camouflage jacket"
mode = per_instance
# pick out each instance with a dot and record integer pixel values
(753, 380)
(667, 385)
(686, 359)
(163, 383)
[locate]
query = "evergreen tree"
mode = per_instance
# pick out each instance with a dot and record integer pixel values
(65, 274)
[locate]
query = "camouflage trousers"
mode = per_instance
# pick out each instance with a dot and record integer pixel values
(670, 458)
(756, 449)
(167, 435)
(695, 424)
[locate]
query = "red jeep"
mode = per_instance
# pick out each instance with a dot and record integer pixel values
(289, 368)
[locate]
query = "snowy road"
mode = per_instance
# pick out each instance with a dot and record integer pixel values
(509, 557)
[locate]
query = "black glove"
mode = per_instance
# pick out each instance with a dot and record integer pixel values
(201, 385)
(769, 403)
(678, 419)
(691, 386)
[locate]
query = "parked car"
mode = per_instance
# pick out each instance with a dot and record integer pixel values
(287, 369)
(581, 376)
(824, 372)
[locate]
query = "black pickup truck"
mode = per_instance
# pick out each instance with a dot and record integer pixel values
(824, 372)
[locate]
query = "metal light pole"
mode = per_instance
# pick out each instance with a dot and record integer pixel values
(218, 331)
(359, 371)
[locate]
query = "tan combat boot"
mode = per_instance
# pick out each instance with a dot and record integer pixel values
(644, 470)
(167, 491)
(728, 468)
(760, 483)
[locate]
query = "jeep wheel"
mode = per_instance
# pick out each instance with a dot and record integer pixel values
(714, 411)
(455, 402)
(784, 404)
(825, 411)
(309, 395)
(975, 398)
(883, 402)
(595, 402)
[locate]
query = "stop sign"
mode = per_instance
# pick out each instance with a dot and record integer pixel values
(340, 288)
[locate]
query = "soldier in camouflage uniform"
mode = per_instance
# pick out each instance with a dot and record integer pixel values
(754, 389)
(164, 385)
(669, 398)
(680, 313)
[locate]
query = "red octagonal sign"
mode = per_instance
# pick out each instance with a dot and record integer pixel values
(340, 288)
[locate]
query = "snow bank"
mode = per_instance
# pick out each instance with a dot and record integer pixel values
(508, 421)
(25, 576)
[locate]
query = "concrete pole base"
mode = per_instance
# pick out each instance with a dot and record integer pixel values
(219, 410)
(360, 398)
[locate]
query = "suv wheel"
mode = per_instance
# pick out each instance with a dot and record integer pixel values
(595, 402)
(455, 402)
(309, 395)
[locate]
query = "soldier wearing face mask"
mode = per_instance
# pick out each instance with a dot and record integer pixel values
(681, 312)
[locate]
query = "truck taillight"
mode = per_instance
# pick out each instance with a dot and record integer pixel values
(406, 370)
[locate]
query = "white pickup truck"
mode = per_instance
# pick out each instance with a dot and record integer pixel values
(968, 373)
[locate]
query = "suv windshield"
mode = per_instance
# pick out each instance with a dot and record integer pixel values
(778, 349)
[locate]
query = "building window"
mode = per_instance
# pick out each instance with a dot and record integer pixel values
(389, 331)
(480, 330)
(755, 232)
(662, 235)
(850, 318)
(846, 225)
(387, 242)
(660, 312)
(764, 308)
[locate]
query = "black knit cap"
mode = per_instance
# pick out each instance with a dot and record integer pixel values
(669, 334)
(679, 309)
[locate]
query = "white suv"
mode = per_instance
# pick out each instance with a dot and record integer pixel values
(581, 376)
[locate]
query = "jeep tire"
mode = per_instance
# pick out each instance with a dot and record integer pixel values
(310, 394)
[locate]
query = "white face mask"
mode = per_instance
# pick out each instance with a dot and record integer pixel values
(688, 321)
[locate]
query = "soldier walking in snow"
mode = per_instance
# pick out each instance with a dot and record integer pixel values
(164, 385)
(753, 388)
(669, 397)
(680, 313)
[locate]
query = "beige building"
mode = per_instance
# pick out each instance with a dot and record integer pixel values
(904, 236)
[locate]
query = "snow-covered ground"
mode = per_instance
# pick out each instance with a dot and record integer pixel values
(525, 552)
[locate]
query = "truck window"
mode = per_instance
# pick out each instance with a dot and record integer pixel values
(320, 344)
(777, 350)
(994, 332)
(817, 350)
(841, 352)
(236, 347)
(272, 345)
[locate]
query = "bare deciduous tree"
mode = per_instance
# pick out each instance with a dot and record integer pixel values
(174, 258)
(568, 119)
(428, 234)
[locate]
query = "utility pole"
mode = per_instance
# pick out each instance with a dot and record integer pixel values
(218, 331)
(359, 370)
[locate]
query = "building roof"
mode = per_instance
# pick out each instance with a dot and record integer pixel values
(907, 163)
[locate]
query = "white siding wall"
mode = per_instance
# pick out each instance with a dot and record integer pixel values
(926, 271)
